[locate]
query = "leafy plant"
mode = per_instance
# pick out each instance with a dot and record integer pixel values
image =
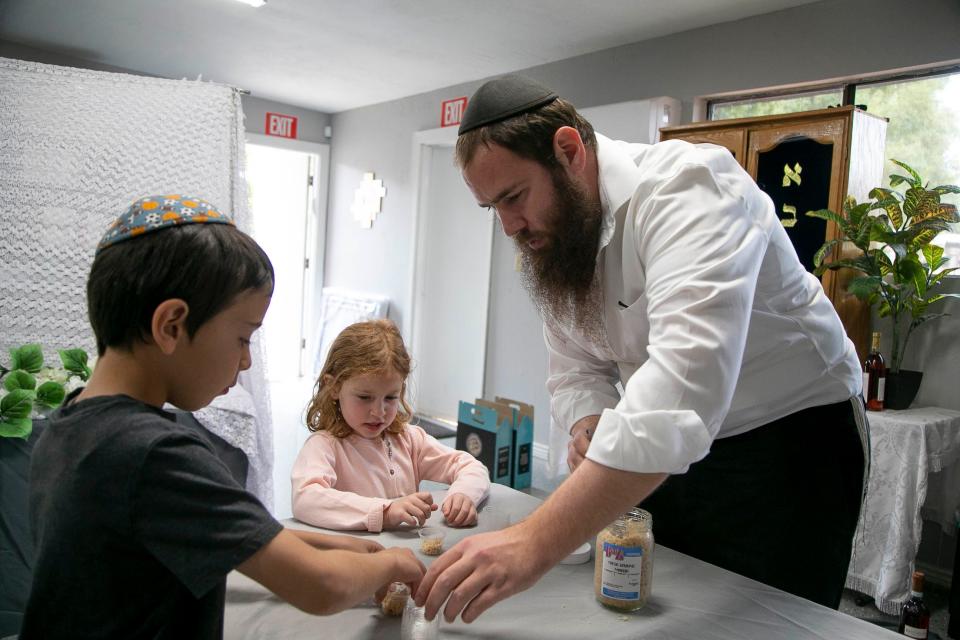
(900, 267)
(30, 386)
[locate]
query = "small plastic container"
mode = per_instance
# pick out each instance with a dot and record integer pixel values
(414, 625)
(431, 540)
(396, 599)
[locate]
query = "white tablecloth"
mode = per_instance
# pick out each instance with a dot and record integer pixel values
(915, 463)
(691, 600)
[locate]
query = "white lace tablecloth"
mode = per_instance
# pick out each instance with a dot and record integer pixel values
(915, 464)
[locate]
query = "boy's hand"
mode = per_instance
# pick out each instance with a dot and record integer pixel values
(358, 545)
(459, 510)
(327, 541)
(413, 510)
(409, 570)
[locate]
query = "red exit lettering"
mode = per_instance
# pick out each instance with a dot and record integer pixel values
(281, 125)
(451, 111)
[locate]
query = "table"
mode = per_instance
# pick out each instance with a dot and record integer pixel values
(915, 464)
(691, 600)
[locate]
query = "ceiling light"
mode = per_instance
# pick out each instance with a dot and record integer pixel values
(254, 3)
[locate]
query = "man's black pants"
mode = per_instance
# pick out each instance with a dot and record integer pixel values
(778, 504)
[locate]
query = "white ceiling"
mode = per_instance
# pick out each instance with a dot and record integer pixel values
(333, 55)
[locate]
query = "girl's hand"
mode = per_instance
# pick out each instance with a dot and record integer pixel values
(459, 510)
(412, 510)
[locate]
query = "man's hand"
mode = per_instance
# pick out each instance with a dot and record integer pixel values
(581, 434)
(480, 571)
(459, 510)
(413, 510)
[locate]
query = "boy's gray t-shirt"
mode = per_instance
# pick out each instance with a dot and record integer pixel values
(136, 524)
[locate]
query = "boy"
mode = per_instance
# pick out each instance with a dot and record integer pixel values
(136, 521)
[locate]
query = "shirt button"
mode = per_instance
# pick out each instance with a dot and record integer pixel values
(391, 471)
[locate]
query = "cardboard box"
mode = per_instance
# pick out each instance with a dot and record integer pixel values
(520, 417)
(486, 436)
(522, 442)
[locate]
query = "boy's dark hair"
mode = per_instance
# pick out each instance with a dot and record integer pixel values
(529, 135)
(206, 265)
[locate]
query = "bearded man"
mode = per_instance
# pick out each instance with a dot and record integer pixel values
(665, 268)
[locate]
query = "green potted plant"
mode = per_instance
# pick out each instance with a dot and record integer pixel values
(29, 388)
(899, 267)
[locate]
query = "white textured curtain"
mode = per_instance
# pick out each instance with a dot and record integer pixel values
(77, 147)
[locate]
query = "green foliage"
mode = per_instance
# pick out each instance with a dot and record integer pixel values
(17, 404)
(29, 357)
(19, 379)
(899, 266)
(29, 385)
(51, 394)
(75, 361)
(924, 123)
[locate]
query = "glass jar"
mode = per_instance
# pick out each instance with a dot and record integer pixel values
(623, 565)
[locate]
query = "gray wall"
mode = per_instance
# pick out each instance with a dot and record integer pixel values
(310, 124)
(830, 39)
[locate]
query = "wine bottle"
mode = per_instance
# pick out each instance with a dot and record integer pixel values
(915, 616)
(874, 376)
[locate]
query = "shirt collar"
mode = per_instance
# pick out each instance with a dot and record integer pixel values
(618, 179)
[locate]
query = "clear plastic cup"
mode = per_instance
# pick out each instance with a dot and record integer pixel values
(414, 625)
(431, 540)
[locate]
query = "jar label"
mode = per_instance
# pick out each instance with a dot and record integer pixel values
(913, 632)
(881, 385)
(866, 385)
(621, 572)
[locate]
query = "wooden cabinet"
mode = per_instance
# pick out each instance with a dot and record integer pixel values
(806, 161)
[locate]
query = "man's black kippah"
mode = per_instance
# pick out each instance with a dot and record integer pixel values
(503, 98)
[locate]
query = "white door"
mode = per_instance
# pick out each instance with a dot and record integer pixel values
(451, 289)
(279, 183)
(286, 180)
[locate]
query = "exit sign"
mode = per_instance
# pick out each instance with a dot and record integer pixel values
(281, 125)
(451, 111)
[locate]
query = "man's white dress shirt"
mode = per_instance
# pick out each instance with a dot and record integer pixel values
(713, 325)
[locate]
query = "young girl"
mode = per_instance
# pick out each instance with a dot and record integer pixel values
(362, 467)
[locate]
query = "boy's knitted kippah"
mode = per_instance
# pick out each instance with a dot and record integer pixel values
(153, 213)
(503, 98)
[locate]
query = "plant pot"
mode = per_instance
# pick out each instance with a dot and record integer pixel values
(901, 388)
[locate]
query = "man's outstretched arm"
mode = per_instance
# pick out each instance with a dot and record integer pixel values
(484, 569)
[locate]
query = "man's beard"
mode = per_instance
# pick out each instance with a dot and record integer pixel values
(562, 277)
